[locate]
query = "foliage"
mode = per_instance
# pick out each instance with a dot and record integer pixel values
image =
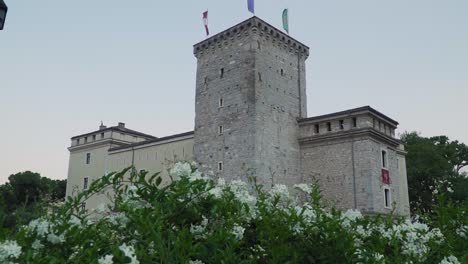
(435, 165)
(195, 219)
(24, 196)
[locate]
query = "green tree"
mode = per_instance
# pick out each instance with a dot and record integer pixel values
(23, 197)
(434, 166)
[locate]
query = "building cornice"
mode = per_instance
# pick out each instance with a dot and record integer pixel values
(98, 143)
(346, 113)
(350, 134)
(254, 25)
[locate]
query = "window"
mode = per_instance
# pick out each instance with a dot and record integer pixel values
(221, 73)
(259, 77)
(85, 183)
(387, 198)
(282, 72)
(354, 121)
(341, 124)
(83, 207)
(220, 130)
(86, 140)
(329, 127)
(88, 158)
(317, 129)
(373, 122)
(384, 159)
(220, 166)
(221, 102)
(78, 141)
(102, 135)
(94, 137)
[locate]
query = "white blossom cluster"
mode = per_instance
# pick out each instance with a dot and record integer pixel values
(9, 250)
(198, 231)
(129, 251)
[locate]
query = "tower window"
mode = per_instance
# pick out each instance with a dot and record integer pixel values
(387, 198)
(384, 159)
(85, 183)
(102, 135)
(329, 128)
(354, 121)
(88, 158)
(220, 130)
(341, 124)
(221, 102)
(221, 73)
(259, 77)
(220, 166)
(282, 72)
(317, 128)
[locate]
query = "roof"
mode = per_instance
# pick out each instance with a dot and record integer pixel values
(350, 112)
(153, 141)
(118, 129)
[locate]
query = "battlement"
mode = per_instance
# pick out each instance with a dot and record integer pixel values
(252, 25)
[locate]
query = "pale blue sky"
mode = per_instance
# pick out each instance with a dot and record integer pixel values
(67, 65)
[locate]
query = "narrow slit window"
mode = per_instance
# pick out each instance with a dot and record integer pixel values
(329, 128)
(282, 72)
(220, 166)
(317, 129)
(83, 207)
(354, 121)
(387, 198)
(88, 158)
(221, 73)
(384, 159)
(341, 124)
(85, 183)
(220, 130)
(221, 102)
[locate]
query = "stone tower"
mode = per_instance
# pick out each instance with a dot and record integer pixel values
(250, 92)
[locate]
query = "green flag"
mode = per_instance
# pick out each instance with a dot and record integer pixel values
(286, 20)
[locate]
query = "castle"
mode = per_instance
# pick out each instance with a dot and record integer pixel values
(251, 120)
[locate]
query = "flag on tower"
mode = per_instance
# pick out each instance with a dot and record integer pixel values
(286, 20)
(205, 22)
(251, 6)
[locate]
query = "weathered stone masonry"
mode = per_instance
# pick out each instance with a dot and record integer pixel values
(251, 120)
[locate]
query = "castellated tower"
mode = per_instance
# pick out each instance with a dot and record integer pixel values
(250, 92)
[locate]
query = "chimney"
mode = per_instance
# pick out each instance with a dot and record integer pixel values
(121, 125)
(102, 126)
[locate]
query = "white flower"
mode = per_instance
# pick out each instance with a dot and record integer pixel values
(450, 260)
(198, 231)
(461, 232)
(238, 231)
(54, 239)
(281, 191)
(107, 259)
(303, 187)
(181, 169)
(450, 190)
(74, 221)
(37, 245)
(349, 216)
(196, 262)
(196, 175)
(129, 251)
(40, 226)
(8, 250)
(118, 219)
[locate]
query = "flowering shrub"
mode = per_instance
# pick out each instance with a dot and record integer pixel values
(196, 219)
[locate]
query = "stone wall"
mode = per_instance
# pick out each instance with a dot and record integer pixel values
(261, 81)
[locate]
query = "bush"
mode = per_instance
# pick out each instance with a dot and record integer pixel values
(195, 219)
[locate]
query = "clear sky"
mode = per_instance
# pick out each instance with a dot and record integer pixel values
(67, 65)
